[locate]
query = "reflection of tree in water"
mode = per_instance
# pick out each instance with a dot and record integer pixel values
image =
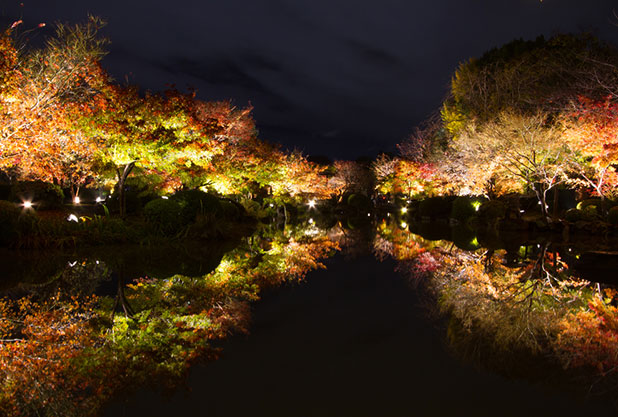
(523, 315)
(65, 351)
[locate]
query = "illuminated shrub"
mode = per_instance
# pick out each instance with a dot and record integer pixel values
(138, 191)
(164, 215)
(612, 216)
(43, 194)
(194, 202)
(464, 237)
(492, 210)
(9, 217)
(464, 208)
(591, 204)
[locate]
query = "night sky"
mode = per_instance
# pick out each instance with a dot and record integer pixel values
(339, 78)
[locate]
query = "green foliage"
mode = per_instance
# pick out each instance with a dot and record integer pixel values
(194, 202)
(591, 204)
(42, 194)
(465, 207)
(165, 215)
(526, 76)
(57, 232)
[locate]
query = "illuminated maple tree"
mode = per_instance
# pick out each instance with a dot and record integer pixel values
(592, 131)
(37, 138)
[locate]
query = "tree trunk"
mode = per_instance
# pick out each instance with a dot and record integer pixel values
(540, 191)
(122, 178)
(556, 202)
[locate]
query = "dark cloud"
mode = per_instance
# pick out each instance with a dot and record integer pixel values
(339, 77)
(376, 56)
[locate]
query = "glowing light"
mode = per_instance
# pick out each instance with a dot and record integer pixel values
(404, 225)
(72, 218)
(27, 204)
(476, 205)
(310, 221)
(404, 210)
(76, 200)
(271, 205)
(72, 264)
(465, 191)
(99, 199)
(368, 214)
(311, 203)
(522, 211)
(165, 197)
(475, 242)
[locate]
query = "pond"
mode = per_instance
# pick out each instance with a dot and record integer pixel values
(395, 325)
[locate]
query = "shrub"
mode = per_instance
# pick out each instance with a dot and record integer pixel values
(138, 191)
(253, 208)
(164, 215)
(229, 210)
(612, 216)
(492, 210)
(464, 237)
(9, 217)
(574, 215)
(436, 207)
(465, 207)
(360, 202)
(44, 195)
(194, 202)
(591, 202)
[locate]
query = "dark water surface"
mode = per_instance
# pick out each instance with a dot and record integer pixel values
(352, 340)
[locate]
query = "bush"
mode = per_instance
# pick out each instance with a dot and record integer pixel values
(492, 210)
(194, 202)
(574, 215)
(435, 207)
(138, 191)
(464, 237)
(164, 215)
(595, 203)
(9, 218)
(44, 195)
(229, 210)
(612, 216)
(359, 202)
(465, 207)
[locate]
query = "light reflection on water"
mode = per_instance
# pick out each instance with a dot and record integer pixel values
(516, 310)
